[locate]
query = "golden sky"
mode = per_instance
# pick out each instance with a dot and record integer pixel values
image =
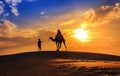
(91, 30)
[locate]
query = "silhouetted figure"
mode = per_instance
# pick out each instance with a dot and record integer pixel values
(58, 40)
(39, 45)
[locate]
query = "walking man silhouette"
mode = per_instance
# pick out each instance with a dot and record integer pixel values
(39, 45)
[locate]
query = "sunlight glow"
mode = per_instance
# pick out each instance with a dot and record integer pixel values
(81, 33)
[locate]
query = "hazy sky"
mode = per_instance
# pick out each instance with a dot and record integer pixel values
(22, 22)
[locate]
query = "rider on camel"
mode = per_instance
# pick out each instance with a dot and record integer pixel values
(59, 35)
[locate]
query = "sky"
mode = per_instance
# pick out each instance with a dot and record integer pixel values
(87, 25)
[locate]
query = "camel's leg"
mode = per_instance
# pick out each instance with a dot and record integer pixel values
(65, 45)
(57, 46)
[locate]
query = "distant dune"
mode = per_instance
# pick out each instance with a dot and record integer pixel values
(52, 63)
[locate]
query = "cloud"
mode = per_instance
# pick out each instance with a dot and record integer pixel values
(1, 7)
(42, 13)
(9, 29)
(6, 44)
(92, 17)
(68, 22)
(103, 15)
(11, 36)
(30, 0)
(15, 42)
(12, 4)
(15, 11)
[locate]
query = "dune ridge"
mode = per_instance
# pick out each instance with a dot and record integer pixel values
(52, 63)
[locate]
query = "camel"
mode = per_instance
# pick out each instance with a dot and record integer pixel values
(58, 42)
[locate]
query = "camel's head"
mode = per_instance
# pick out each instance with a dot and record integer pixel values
(50, 37)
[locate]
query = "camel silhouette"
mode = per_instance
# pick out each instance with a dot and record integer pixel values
(58, 42)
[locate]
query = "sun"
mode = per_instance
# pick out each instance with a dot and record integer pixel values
(81, 34)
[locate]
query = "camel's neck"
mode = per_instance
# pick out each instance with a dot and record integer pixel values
(52, 39)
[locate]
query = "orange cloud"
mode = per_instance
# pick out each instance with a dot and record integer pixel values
(103, 15)
(8, 29)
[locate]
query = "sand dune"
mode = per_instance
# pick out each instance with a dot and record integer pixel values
(62, 63)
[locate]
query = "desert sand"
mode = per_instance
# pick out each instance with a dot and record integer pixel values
(52, 63)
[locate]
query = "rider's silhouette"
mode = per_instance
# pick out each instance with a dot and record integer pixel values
(59, 35)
